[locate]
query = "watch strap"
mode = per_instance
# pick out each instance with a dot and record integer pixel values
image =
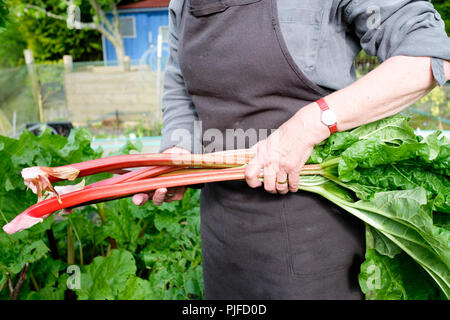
(323, 105)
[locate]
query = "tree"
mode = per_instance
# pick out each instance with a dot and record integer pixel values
(69, 12)
(12, 44)
(3, 13)
(48, 38)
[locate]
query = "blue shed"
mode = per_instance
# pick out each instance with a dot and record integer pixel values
(140, 24)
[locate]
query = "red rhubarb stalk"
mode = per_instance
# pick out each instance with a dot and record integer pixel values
(43, 209)
(39, 179)
(139, 174)
(211, 160)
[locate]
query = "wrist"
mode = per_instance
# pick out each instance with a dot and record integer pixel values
(309, 118)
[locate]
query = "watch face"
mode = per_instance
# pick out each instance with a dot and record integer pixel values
(329, 117)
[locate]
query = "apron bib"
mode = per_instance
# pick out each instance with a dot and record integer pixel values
(256, 245)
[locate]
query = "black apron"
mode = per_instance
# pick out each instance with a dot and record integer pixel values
(256, 245)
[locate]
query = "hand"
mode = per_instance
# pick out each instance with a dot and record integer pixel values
(163, 194)
(282, 155)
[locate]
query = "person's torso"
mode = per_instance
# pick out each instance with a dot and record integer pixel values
(319, 42)
(238, 71)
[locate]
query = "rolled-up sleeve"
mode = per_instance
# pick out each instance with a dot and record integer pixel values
(388, 28)
(179, 114)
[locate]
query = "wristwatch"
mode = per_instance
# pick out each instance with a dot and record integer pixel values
(328, 116)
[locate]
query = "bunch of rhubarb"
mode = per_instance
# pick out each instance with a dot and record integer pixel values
(382, 173)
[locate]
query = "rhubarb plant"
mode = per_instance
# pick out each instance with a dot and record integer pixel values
(146, 242)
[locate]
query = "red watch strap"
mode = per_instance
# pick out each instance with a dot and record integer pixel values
(333, 128)
(323, 105)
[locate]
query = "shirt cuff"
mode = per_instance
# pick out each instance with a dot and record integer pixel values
(437, 66)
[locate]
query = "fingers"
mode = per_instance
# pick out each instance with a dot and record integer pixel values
(175, 194)
(266, 162)
(168, 195)
(159, 196)
(294, 180)
(141, 198)
(270, 178)
(252, 172)
(282, 183)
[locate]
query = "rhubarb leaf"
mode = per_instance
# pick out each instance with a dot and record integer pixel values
(106, 278)
(405, 218)
(136, 289)
(121, 225)
(371, 153)
(128, 148)
(47, 293)
(404, 176)
(399, 278)
(380, 278)
(381, 243)
(393, 130)
(435, 152)
(14, 259)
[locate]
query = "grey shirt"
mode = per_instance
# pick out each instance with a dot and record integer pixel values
(323, 37)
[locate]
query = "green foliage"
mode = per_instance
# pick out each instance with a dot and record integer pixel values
(399, 278)
(159, 250)
(401, 189)
(49, 39)
(443, 7)
(3, 13)
(13, 44)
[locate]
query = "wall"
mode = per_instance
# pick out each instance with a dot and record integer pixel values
(96, 95)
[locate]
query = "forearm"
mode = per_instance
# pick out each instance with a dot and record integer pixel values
(393, 86)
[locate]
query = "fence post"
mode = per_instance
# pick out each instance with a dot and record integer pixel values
(35, 86)
(68, 63)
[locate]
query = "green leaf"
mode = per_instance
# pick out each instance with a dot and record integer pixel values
(136, 289)
(435, 152)
(13, 259)
(393, 130)
(403, 176)
(384, 278)
(380, 278)
(121, 225)
(373, 152)
(382, 244)
(47, 293)
(128, 147)
(404, 218)
(106, 278)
